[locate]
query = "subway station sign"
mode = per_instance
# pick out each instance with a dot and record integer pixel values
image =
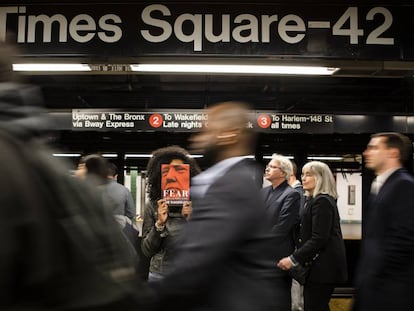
(195, 120)
(263, 29)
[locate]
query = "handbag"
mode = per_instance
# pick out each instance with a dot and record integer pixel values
(300, 273)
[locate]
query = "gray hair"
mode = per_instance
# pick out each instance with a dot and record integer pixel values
(325, 181)
(285, 164)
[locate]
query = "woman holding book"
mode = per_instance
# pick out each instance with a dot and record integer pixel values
(168, 207)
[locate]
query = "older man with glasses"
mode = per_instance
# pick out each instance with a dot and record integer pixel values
(282, 206)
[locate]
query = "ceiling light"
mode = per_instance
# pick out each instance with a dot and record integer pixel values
(236, 69)
(290, 157)
(51, 67)
(133, 155)
(326, 158)
(67, 155)
(109, 155)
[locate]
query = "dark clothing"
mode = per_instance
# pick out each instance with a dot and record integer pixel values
(282, 206)
(385, 274)
(297, 289)
(158, 245)
(317, 296)
(59, 249)
(299, 188)
(21, 111)
(224, 257)
(320, 235)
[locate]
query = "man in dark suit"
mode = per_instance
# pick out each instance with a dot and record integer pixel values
(385, 276)
(282, 205)
(223, 260)
(297, 289)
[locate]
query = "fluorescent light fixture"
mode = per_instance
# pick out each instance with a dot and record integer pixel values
(133, 155)
(67, 155)
(290, 157)
(327, 158)
(109, 155)
(51, 67)
(196, 156)
(236, 69)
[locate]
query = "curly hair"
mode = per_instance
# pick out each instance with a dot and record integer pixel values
(164, 156)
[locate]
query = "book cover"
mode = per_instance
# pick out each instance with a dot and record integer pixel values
(175, 183)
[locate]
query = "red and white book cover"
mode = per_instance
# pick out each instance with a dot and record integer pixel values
(175, 183)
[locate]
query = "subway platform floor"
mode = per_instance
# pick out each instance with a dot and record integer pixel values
(340, 304)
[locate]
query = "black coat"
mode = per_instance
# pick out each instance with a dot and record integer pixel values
(320, 233)
(385, 276)
(59, 247)
(283, 210)
(223, 259)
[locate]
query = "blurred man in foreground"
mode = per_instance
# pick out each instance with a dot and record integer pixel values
(223, 260)
(59, 249)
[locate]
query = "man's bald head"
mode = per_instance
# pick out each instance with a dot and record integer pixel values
(226, 134)
(232, 114)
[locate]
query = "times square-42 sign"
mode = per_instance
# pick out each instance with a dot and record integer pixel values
(254, 29)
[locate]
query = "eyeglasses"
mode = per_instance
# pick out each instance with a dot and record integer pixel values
(273, 167)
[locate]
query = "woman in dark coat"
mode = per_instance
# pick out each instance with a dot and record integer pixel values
(319, 241)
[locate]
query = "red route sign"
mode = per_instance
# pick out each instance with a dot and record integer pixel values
(155, 120)
(264, 121)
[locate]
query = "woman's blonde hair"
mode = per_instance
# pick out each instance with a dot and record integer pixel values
(325, 181)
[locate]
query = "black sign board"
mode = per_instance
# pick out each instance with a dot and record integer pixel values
(218, 29)
(194, 120)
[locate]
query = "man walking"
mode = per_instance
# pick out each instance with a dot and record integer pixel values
(224, 258)
(385, 277)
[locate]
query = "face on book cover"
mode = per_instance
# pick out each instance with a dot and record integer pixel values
(175, 176)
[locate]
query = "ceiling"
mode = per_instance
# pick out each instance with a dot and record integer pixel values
(365, 89)
(358, 88)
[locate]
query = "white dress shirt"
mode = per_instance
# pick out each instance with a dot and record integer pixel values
(381, 179)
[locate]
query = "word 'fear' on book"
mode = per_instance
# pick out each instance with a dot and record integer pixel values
(175, 183)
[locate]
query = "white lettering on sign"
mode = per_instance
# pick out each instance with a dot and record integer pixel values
(158, 24)
(135, 117)
(114, 124)
(191, 125)
(190, 117)
(170, 124)
(91, 124)
(297, 121)
(81, 28)
(245, 28)
(83, 116)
